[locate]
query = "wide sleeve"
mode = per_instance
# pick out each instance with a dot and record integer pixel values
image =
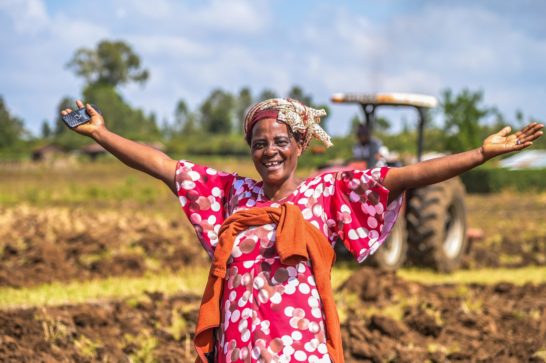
(203, 193)
(358, 209)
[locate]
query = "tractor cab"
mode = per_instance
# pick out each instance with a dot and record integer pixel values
(370, 102)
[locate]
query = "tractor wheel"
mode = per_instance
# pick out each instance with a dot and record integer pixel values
(436, 219)
(392, 254)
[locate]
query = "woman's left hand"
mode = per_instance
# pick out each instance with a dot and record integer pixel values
(503, 142)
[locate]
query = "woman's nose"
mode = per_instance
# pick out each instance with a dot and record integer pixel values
(271, 149)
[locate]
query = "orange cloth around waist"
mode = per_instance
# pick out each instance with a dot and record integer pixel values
(296, 240)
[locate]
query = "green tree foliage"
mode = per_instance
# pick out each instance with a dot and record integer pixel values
(355, 121)
(463, 114)
(181, 113)
(217, 112)
(46, 130)
(244, 101)
(112, 63)
(11, 127)
(296, 93)
(121, 117)
(60, 127)
(184, 124)
(266, 94)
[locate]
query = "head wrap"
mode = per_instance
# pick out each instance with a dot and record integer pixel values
(301, 119)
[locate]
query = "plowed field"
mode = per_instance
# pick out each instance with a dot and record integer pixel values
(385, 318)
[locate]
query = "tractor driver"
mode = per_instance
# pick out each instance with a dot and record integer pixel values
(369, 149)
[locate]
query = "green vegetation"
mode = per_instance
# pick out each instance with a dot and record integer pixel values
(178, 325)
(146, 344)
(218, 118)
(189, 280)
(492, 180)
(106, 183)
(11, 130)
(519, 276)
(86, 346)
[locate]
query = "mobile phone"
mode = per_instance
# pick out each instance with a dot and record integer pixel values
(78, 117)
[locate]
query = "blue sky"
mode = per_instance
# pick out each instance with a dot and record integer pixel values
(191, 47)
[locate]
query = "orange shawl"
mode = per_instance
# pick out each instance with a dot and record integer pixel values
(296, 240)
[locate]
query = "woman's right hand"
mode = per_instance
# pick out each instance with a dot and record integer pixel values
(89, 128)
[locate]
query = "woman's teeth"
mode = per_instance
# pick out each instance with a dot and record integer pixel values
(272, 164)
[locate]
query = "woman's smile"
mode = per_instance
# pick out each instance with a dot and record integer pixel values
(273, 165)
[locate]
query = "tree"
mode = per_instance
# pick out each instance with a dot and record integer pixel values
(46, 129)
(243, 103)
(217, 112)
(60, 127)
(463, 114)
(121, 117)
(11, 127)
(296, 93)
(355, 122)
(267, 94)
(181, 115)
(111, 63)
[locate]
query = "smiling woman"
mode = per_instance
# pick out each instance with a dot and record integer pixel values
(268, 297)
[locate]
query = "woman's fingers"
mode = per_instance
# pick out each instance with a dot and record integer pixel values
(66, 111)
(533, 132)
(79, 103)
(505, 131)
(529, 133)
(90, 110)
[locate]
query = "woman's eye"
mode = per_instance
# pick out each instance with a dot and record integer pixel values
(258, 146)
(282, 143)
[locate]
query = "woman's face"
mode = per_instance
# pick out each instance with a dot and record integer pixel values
(274, 152)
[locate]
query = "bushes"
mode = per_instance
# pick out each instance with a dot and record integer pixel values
(487, 180)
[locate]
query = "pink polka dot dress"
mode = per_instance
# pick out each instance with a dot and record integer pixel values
(272, 312)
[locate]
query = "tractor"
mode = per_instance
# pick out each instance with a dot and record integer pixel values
(431, 230)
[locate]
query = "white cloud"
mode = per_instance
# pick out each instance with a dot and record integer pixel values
(28, 16)
(441, 46)
(174, 48)
(237, 17)
(244, 16)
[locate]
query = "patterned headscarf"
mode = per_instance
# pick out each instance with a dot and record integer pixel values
(301, 119)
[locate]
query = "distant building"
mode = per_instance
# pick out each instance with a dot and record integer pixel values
(47, 153)
(93, 151)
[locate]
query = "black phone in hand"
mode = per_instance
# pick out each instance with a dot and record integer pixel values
(78, 117)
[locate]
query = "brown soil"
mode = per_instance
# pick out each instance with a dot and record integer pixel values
(445, 323)
(513, 227)
(62, 244)
(153, 329)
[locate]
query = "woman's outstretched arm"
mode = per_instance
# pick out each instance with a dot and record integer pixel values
(437, 170)
(131, 153)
